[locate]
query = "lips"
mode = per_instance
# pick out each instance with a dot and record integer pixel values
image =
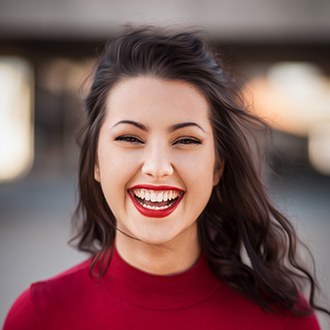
(155, 201)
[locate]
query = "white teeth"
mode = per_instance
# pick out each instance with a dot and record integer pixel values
(156, 207)
(147, 196)
(153, 197)
(156, 196)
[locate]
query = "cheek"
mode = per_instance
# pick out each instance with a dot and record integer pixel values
(198, 177)
(114, 162)
(198, 165)
(199, 180)
(116, 171)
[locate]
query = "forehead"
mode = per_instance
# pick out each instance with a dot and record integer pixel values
(155, 98)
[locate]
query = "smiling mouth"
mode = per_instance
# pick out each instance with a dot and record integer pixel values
(155, 203)
(156, 200)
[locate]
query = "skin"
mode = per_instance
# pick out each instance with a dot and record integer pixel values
(157, 154)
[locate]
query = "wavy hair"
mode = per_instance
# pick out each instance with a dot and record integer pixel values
(248, 243)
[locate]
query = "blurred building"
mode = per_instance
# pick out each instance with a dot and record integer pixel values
(277, 47)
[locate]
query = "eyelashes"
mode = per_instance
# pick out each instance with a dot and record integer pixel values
(187, 140)
(129, 139)
(181, 141)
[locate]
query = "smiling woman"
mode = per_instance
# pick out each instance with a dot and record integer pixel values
(172, 207)
(168, 158)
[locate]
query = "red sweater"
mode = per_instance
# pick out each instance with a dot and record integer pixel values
(127, 298)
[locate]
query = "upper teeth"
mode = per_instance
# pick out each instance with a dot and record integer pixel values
(156, 196)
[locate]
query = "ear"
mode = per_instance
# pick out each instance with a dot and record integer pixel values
(97, 176)
(218, 170)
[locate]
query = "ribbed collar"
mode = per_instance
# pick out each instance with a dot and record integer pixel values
(161, 292)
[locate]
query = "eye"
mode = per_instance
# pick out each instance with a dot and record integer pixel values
(187, 140)
(129, 139)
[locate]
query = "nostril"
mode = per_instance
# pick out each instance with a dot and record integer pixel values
(157, 170)
(157, 160)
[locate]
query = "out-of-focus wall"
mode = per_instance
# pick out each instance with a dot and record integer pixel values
(226, 19)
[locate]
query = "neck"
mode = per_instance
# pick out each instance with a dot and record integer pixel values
(172, 257)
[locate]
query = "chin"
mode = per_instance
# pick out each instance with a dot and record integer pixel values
(154, 239)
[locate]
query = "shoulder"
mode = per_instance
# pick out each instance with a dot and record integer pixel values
(21, 314)
(307, 322)
(254, 317)
(48, 295)
(72, 277)
(301, 322)
(62, 287)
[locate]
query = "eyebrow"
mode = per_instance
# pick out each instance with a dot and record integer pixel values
(182, 125)
(132, 122)
(172, 128)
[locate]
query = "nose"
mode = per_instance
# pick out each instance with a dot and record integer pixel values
(157, 162)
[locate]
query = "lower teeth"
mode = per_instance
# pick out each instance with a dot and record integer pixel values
(156, 208)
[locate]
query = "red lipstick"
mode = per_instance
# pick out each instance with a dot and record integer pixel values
(155, 213)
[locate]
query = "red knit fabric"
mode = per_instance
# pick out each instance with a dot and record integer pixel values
(127, 298)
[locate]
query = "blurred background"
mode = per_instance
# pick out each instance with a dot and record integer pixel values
(279, 50)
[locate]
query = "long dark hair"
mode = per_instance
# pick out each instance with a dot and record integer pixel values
(239, 219)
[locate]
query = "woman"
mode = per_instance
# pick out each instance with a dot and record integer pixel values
(172, 205)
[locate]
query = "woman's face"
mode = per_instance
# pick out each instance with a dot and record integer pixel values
(156, 158)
